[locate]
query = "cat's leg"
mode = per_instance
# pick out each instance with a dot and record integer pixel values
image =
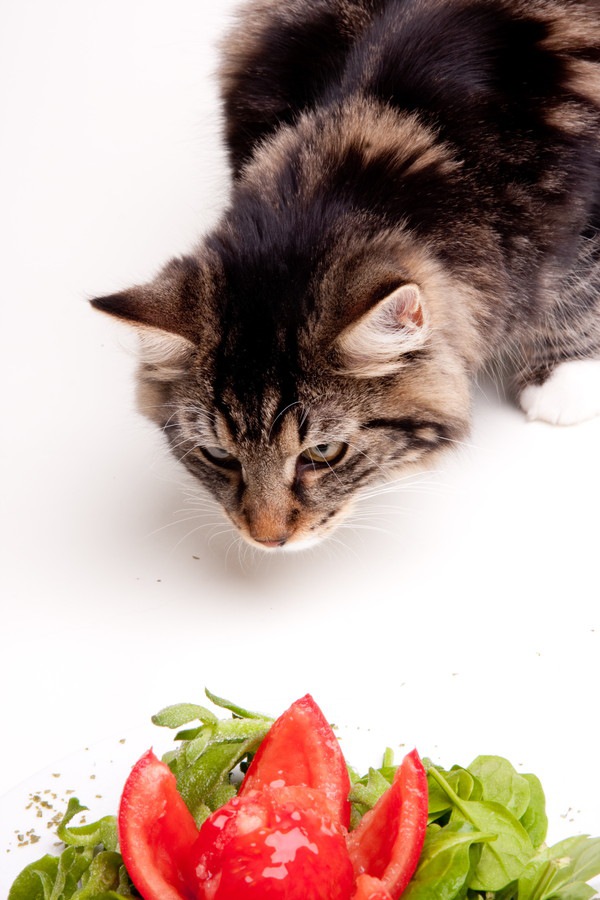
(571, 394)
(560, 381)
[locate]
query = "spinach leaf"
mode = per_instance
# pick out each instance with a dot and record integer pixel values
(501, 783)
(534, 820)
(462, 783)
(446, 863)
(565, 866)
(503, 860)
(576, 890)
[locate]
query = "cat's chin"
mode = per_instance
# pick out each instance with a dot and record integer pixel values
(289, 546)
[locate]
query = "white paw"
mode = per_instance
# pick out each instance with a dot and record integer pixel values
(570, 395)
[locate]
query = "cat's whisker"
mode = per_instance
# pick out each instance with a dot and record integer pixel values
(377, 511)
(194, 516)
(223, 531)
(469, 445)
(373, 509)
(179, 521)
(432, 489)
(196, 530)
(192, 507)
(333, 541)
(410, 482)
(236, 540)
(358, 526)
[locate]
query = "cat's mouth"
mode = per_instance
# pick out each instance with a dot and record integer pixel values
(303, 533)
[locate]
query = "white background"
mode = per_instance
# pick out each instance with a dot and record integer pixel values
(461, 614)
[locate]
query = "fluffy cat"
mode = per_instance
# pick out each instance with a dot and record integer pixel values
(416, 195)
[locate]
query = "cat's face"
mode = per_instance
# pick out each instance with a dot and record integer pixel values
(287, 471)
(287, 391)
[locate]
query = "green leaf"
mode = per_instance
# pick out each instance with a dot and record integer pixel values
(104, 875)
(577, 890)
(47, 886)
(536, 878)
(203, 769)
(555, 870)
(104, 831)
(195, 747)
(367, 792)
(189, 734)
(583, 853)
(28, 884)
(72, 864)
(501, 783)
(504, 860)
(534, 819)
(233, 708)
(182, 713)
(462, 783)
(445, 863)
(112, 895)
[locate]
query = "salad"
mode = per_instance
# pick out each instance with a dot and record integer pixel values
(247, 807)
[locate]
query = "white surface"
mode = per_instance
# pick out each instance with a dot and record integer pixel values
(470, 621)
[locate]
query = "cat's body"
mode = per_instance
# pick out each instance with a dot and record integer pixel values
(416, 197)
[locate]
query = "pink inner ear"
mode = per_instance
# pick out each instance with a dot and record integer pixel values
(408, 308)
(376, 343)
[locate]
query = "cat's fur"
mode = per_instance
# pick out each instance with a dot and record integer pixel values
(416, 195)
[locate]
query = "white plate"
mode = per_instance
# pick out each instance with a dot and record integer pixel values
(95, 775)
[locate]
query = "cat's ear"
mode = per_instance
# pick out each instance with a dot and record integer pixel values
(164, 314)
(375, 344)
(167, 305)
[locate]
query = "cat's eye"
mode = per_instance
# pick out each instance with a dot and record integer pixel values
(219, 457)
(324, 454)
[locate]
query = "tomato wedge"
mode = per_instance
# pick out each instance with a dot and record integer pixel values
(279, 843)
(387, 843)
(156, 832)
(369, 888)
(301, 749)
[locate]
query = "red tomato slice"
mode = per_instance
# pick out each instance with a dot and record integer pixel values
(387, 842)
(156, 831)
(279, 843)
(301, 748)
(368, 888)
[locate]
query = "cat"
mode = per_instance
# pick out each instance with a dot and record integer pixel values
(415, 199)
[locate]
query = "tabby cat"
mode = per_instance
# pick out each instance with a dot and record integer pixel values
(415, 198)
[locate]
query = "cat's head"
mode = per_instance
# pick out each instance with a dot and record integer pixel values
(288, 380)
(314, 345)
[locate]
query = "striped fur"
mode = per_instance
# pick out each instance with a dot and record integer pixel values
(416, 197)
